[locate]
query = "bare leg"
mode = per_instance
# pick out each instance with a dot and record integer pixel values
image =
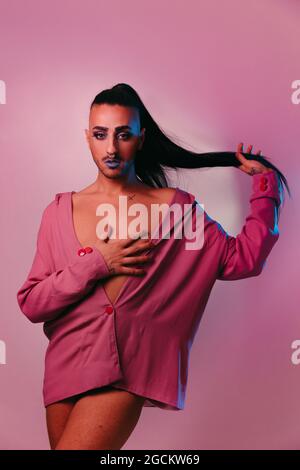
(101, 419)
(57, 415)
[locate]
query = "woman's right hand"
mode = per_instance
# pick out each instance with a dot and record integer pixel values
(121, 255)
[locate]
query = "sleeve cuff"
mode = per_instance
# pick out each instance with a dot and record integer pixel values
(92, 261)
(266, 185)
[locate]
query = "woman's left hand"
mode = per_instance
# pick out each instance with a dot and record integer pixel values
(250, 167)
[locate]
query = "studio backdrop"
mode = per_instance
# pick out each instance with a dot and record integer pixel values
(212, 74)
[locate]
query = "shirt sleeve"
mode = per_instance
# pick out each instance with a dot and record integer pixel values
(245, 255)
(46, 293)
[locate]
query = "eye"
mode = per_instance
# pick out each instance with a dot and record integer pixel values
(98, 135)
(125, 134)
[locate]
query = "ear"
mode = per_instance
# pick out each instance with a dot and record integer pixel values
(142, 138)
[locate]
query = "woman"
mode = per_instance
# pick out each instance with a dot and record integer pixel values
(119, 334)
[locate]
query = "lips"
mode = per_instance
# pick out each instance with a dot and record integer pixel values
(112, 163)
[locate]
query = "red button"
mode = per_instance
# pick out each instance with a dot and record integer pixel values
(109, 309)
(263, 179)
(263, 187)
(81, 252)
(88, 249)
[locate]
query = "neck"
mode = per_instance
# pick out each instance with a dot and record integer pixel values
(123, 184)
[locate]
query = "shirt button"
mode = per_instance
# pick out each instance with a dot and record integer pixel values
(263, 179)
(88, 249)
(263, 187)
(81, 252)
(109, 309)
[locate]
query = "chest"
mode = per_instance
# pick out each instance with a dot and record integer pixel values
(90, 218)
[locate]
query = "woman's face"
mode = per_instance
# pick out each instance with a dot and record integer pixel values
(114, 136)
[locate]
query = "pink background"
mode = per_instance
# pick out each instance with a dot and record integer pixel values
(214, 74)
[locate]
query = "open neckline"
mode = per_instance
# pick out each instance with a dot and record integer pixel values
(155, 241)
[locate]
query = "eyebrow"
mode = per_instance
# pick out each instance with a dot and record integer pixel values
(119, 128)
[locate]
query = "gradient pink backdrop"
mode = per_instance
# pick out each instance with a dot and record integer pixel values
(214, 74)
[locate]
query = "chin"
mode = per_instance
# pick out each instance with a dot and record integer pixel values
(111, 174)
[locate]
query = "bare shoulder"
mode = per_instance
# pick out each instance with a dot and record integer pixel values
(163, 194)
(87, 191)
(85, 195)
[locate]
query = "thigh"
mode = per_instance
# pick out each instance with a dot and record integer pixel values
(57, 415)
(101, 419)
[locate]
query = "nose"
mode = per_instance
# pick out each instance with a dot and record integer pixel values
(111, 146)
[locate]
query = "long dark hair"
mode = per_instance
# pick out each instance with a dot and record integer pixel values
(159, 149)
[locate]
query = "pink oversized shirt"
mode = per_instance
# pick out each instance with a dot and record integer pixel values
(140, 343)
